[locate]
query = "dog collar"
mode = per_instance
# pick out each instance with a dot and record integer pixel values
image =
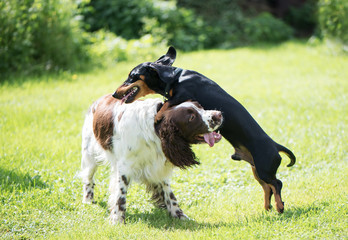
(176, 72)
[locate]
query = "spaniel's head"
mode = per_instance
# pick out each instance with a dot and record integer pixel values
(185, 124)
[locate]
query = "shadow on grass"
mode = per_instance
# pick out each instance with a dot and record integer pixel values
(11, 180)
(103, 204)
(160, 219)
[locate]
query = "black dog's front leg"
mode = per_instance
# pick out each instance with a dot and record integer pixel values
(160, 113)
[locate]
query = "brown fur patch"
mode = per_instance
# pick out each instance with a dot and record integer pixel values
(103, 121)
(176, 148)
(120, 116)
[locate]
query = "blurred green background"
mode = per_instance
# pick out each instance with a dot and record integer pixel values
(284, 60)
(57, 35)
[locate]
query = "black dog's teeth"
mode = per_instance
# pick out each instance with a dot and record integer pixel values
(132, 91)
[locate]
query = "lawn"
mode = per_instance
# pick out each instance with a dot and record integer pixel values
(297, 93)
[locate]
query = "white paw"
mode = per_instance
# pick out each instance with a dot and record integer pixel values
(184, 217)
(116, 219)
(88, 201)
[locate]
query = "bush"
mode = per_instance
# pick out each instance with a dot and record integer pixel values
(122, 17)
(333, 20)
(303, 18)
(107, 48)
(265, 27)
(177, 26)
(40, 34)
(222, 21)
(231, 23)
(191, 26)
(131, 19)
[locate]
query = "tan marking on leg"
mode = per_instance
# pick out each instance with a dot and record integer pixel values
(245, 155)
(266, 189)
(278, 200)
(160, 113)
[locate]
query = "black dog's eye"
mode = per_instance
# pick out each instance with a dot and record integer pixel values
(192, 117)
(131, 75)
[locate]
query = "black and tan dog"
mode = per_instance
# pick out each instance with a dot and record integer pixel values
(251, 143)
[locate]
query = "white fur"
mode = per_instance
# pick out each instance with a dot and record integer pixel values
(136, 153)
(137, 148)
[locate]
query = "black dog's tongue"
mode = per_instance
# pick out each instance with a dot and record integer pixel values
(126, 96)
(212, 138)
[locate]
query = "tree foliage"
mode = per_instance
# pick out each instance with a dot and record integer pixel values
(39, 34)
(66, 34)
(333, 19)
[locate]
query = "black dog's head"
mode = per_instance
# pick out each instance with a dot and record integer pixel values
(148, 77)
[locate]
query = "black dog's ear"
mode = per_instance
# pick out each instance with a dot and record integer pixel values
(168, 59)
(167, 74)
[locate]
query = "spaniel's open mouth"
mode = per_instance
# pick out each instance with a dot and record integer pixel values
(210, 138)
(130, 94)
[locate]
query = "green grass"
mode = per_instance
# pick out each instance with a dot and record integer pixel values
(298, 94)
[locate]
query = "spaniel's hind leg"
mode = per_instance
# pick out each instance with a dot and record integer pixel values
(88, 169)
(118, 191)
(163, 197)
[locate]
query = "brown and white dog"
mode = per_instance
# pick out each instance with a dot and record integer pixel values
(126, 136)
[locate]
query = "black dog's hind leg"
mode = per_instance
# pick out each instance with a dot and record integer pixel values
(259, 161)
(266, 189)
(264, 171)
(270, 185)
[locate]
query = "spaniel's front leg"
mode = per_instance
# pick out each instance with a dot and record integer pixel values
(117, 201)
(164, 198)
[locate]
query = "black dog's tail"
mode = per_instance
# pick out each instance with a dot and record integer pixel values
(288, 153)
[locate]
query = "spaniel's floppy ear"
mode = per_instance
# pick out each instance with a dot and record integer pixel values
(174, 146)
(168, 59)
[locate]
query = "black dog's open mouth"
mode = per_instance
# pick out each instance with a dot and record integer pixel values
(130, 95)
(210, 138)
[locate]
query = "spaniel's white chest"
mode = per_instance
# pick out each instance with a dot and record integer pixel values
(138, 150)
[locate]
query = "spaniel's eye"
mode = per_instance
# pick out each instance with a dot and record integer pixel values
(192, 117)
